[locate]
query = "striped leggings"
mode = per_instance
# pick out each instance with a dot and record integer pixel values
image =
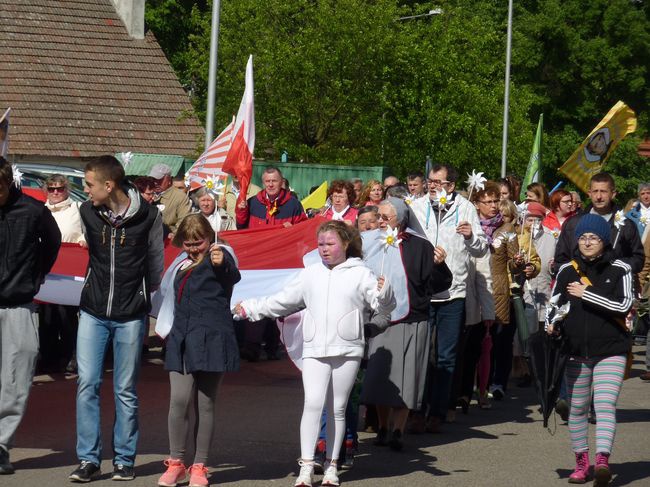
(606, 377)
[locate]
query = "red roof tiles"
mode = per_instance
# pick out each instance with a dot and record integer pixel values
(78, 84)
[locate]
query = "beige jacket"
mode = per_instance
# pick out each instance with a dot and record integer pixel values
(175, 205)
(66, 215)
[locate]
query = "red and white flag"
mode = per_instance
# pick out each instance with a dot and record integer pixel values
(269, 257)
(239, 161)
(208, 169)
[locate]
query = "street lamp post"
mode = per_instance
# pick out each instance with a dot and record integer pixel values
(506, 100)
(212, 72)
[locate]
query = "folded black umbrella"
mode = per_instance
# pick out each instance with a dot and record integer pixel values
(546, 361)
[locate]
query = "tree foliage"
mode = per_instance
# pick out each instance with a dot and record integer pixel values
(346, 81)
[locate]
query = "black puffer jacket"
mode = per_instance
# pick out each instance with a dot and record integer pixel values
(594, 326)
(29, 244)
(120, 268)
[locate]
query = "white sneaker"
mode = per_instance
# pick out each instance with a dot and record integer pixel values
(330, 476)
(305, 476)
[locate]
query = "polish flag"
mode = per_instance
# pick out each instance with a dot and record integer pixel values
(239, 161)
(269, 258)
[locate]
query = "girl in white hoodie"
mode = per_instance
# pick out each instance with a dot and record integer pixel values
(338, 295)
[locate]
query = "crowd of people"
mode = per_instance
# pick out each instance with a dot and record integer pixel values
(419, 274)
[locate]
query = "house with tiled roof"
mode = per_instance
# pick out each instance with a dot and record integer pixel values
(84, 78)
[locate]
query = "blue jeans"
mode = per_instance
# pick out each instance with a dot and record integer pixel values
(446, 320)
(92, 341)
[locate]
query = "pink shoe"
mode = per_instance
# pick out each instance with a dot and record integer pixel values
(602, 474)
(175, 473)
(198, 475)
(581, 473)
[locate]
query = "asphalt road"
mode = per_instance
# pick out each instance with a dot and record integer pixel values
(257, 437)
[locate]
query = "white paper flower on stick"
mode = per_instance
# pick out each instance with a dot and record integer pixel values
(390, 238)
(475, 181)
(18, 176)
(442, 198)
(619, 219)
(214, 185)
(126, 158)
(643, 220)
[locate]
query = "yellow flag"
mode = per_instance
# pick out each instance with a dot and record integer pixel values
(590, 157)
(317, 199)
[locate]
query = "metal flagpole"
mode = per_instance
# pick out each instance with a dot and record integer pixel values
(212, 73)
(506, 100)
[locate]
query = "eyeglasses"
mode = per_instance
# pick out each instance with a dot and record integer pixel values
(55, 189)
(589, 240)
(489, 202)
(438, 182)
(385, 218)
(567, 202)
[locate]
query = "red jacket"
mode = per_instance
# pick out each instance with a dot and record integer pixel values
(350, 215)
(261, 212)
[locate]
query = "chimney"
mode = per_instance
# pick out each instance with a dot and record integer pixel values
(132, 14)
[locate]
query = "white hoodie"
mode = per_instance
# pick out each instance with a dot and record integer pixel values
(337, 303)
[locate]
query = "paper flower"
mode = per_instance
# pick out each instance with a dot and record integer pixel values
(503, 237)
(619, 219)
(555, 313)
(390, 239)
(442, 198)
(126, 158)
(643, 220)
(555, 234)
(18, 176)
(186, 180)
(408, 200)
(475, 181)
(214, 185)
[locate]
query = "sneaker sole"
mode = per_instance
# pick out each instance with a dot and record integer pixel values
(163, 484)
(76, 478)
(121, 479)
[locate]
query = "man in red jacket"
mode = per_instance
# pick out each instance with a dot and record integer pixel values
(271, 206)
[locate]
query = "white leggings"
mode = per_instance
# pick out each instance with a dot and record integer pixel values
(327, 382)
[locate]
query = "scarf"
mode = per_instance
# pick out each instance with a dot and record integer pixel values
(338, 215)
(490, 225)
(63, 205)
(272, 207)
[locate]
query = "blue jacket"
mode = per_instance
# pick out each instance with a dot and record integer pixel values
(202, 338)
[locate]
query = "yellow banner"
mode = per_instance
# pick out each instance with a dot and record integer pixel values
(317, 199)
(590, 157)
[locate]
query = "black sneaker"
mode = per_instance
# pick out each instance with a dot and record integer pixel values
(6, 468)
(86, 472)
(123, 472)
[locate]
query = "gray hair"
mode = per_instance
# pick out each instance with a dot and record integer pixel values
(643, 186)
(200, 193)
(57, 179)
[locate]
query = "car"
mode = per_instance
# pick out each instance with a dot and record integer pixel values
(73, 174)
(36, 181)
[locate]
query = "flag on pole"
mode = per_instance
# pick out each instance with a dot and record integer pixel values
(535, 161)
(4, 133)
(207, 171)
(590, 157)
(239, 161)
(317, 199)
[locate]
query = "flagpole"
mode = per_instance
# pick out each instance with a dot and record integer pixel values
(212, 73)
(506, 101)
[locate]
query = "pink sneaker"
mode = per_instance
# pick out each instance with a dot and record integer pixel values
(581, 473)
(198, 475)
(175, 473)
(602, 474)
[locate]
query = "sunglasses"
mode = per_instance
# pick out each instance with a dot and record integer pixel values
(56, 189)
